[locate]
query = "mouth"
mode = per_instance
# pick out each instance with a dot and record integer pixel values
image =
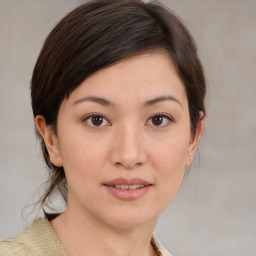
(123, 186)
(128, 189)
(127, 182)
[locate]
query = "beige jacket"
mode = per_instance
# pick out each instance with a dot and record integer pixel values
(40, 240)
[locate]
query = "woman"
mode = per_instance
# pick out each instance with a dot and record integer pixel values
(118, 99)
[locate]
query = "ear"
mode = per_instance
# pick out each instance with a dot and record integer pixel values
(195, 140)
(50, 139)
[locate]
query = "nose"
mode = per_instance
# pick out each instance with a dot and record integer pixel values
(128, 151)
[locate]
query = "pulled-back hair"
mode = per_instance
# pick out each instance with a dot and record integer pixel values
(96, 35)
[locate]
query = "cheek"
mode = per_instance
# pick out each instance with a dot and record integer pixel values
(82, 162)
(82, 157)
(169, 160)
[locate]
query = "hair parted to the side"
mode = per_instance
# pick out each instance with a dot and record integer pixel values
(96, 35)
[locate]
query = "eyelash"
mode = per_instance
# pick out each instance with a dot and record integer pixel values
(87, 118)
(168, 119)
(161, 115)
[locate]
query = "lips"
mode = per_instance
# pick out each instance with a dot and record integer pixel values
(127, 189)
(129, 182)
(123, 186)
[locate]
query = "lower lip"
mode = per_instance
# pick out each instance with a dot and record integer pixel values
(128, 194)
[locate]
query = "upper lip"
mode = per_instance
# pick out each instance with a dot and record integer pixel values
(123, 181)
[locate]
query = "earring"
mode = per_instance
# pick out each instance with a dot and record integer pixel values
(189, 160)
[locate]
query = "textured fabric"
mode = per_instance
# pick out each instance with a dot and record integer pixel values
(40, 240)
(159, 248)
(36, 240)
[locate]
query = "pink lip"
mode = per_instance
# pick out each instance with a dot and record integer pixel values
(122, 181)
(127, 194)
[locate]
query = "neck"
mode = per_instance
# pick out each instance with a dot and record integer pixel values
(83, 234)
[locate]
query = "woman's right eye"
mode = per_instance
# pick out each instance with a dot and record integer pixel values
(96, 121)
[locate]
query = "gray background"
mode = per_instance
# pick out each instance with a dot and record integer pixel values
(214, 212)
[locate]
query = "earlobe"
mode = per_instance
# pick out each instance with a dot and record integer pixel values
(50, 139)
(194, 141)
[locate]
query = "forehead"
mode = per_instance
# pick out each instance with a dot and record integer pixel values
(136, 78)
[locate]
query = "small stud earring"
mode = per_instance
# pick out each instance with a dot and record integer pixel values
(190, 159)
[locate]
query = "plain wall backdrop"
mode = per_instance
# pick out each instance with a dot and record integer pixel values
(214, 211)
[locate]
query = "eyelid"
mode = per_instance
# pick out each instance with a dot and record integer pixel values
(167, 116)
(88, 116)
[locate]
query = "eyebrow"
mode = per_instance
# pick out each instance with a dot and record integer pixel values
(161, 99)
(105, 102)
(98, 100)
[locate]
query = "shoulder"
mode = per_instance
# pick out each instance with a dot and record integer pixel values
(159, 247)
(13, 247)
(36, 240)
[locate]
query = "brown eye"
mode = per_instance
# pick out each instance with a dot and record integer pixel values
(159, 120)
(96, 121)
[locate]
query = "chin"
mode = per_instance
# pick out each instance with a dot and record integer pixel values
(129, 219)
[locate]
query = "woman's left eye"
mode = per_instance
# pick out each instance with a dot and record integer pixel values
(96, 121)
(159, 120)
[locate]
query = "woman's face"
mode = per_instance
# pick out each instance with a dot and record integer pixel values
(124, 140)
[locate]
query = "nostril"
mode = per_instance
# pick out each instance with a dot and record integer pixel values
(128, 165)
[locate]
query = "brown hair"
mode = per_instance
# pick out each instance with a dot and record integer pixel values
(96, 35)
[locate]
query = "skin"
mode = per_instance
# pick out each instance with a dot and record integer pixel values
(130, 142)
